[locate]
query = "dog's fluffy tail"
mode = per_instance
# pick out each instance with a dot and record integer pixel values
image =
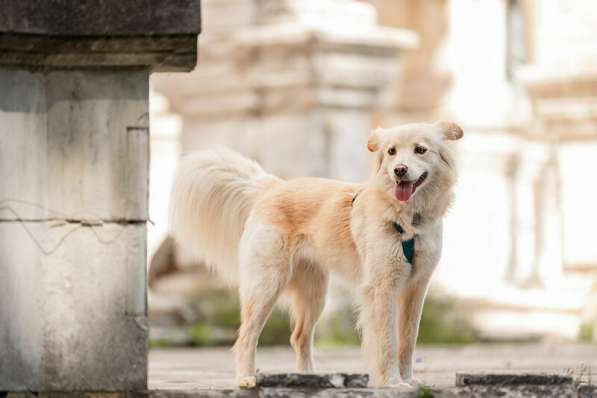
(212, 196)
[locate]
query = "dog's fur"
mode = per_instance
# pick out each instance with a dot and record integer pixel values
(275, 236)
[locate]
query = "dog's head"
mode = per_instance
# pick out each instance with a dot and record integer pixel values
(414, 159)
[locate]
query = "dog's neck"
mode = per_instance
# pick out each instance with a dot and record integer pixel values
(430, 204)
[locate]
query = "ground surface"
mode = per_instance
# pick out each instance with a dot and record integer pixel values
(193, 369)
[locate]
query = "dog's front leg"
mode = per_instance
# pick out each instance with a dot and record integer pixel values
(412, 296)
(410, 306)
(378, 323)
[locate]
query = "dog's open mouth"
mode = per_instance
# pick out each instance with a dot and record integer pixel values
(406, 189)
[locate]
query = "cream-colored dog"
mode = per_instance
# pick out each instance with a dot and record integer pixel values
(275, 236)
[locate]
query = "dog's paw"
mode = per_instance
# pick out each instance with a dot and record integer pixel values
(394, 382)
(401, 386)
(414, 382)
(247, 382)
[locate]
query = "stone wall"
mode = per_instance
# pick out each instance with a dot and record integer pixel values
(296, 87)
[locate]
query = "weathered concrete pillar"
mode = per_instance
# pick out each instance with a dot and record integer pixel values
(74, 156)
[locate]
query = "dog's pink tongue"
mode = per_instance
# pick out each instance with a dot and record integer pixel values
(404, 190)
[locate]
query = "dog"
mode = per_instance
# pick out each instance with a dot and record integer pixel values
(277, 237)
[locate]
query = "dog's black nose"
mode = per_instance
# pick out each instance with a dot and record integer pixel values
(400, 170)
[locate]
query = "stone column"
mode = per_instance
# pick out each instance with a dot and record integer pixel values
(74, 156)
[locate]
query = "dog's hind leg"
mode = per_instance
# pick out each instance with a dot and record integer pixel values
(264, 272)
(307, 289)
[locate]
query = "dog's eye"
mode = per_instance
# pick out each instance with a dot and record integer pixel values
(419, 150)
(392, 151)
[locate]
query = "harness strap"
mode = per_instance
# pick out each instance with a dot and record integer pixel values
(408, 246)
(354, 198)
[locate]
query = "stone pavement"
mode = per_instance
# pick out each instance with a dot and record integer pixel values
(537, 370)
(196, 369)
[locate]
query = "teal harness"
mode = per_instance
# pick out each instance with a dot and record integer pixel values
(408, 246)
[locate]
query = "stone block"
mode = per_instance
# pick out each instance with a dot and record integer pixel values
(100, 33)
(505, 379)
(303, 380)
(74, 307)
(107, 17)
(354, 70)
(512, 385)
(349, 159)
(232, 134)
(74, 145)
(292, 145)
(587, 391)
(519, 391)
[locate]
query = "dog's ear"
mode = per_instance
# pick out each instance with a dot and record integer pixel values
(449, 131)
(374, 140)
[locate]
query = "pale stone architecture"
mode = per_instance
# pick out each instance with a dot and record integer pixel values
(298, 84)
(562, 86)
(294, 87)
(74, 158)
(520, 227)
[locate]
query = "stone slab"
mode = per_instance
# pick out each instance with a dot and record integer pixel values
(519, 391)
(74, 145)
(100, 17)
(587, 391)
(73, 307)
(506, 379)
(100, 33)
(174, 59)
(303, 380)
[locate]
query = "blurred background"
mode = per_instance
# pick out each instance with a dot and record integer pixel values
(298, 84)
